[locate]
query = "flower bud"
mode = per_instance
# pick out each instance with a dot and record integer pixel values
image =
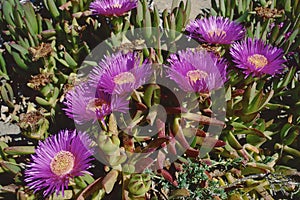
(108, 144)
(139, 184)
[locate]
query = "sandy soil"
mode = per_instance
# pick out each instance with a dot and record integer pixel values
(196, 5)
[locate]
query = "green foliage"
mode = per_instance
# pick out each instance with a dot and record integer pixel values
(45, 47)
(255, 157)
(274, 21)
(194, 177)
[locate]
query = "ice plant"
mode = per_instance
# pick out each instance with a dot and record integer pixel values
(112, 7)
(85, 103)
(215, 30)
(120, 73)
(257, 58)
(58, 159)
(197, 71)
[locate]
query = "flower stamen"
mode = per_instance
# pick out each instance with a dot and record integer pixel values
(117, 5)
(195, 75)
(62, 163)
(258, 60)
(217, 32)
(125, 77)
(96, 104)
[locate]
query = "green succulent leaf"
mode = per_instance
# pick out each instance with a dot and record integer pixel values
(19, 150)
(109, 181)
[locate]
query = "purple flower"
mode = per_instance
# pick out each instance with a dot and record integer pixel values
(112, 7)
(257, 58)
(287, 35)
(58, 159)
(197, 71)
(120, 73)
(84, 103)
(216, 30)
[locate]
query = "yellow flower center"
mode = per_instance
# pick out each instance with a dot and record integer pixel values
(117, 5)
(218, 32)
(125, 77)
(95, 104)
(195, 75)
(258, 60)
(62, 163)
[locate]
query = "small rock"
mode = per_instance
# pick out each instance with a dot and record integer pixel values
(9, 129)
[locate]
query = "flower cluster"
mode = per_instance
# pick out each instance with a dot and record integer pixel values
(252, 55)
(110, 83)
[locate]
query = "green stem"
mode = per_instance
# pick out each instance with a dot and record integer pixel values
(117, 24)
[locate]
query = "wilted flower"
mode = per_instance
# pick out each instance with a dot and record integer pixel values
(58, 159)
(216, 30)
(257, 58)
(197, 71)
(34, 124)
(112, 7)
(86, 104)
(120, 73)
